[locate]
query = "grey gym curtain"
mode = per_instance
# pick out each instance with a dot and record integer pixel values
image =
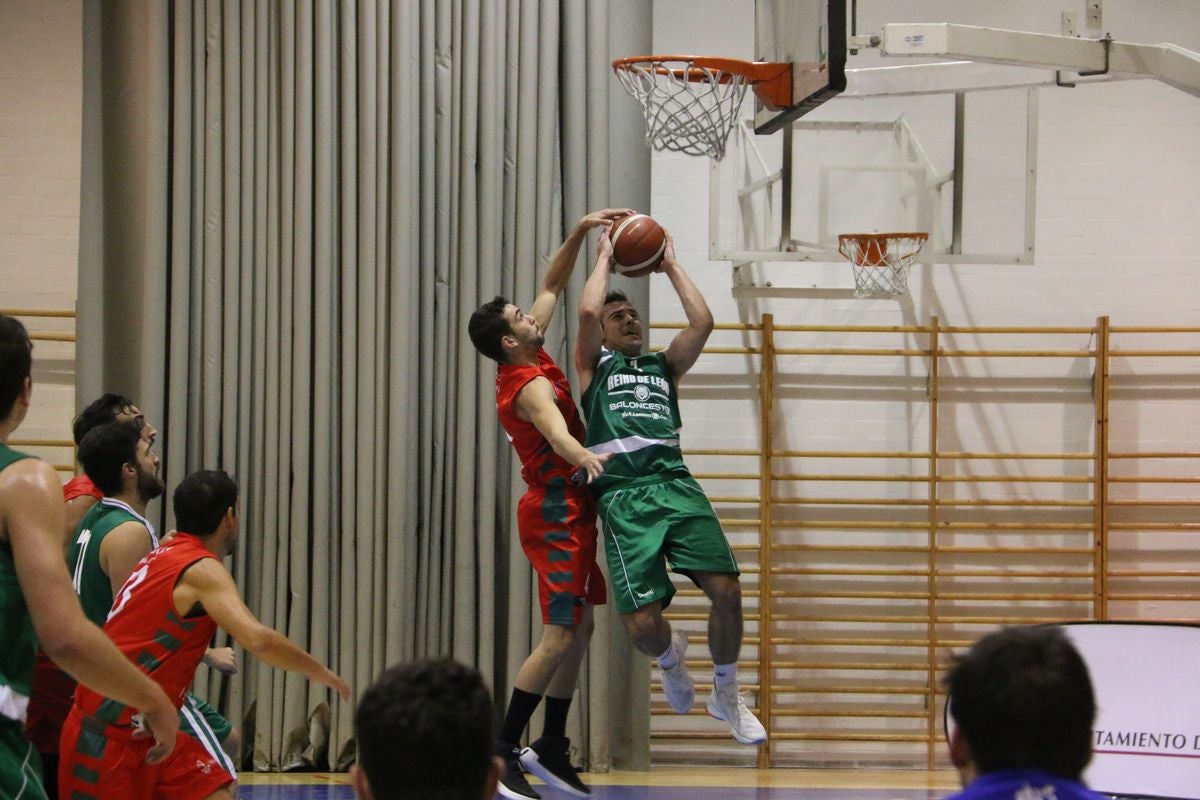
(289, 211)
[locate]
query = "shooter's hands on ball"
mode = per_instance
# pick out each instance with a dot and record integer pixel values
(668, 259)
(604, 248)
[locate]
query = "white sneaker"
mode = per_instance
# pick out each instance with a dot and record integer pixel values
(727, 705)
(677, 682)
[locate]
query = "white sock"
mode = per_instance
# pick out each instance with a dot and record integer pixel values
(669, 658)
(725, 676)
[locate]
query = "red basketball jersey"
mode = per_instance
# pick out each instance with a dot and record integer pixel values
(145, 627)
(539, 463)
(81, 486)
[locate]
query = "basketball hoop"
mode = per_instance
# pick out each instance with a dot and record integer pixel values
(881, 260)
(691, 103)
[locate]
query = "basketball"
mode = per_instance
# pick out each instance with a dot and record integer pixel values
(638, 244)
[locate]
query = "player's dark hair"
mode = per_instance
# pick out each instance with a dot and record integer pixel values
(105, 450)
(1022, 698)
(201, 500)
(100, 411)
(426, 730)
(16, 361)
(488, 326)
(615, 296)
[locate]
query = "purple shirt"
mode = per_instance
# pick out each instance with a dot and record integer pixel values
(1025, 784)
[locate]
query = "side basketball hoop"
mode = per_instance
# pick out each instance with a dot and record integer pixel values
(691, 103)
(881, 260)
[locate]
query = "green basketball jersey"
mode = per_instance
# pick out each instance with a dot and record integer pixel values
(17, 642)
(91, 583)
(632, 412)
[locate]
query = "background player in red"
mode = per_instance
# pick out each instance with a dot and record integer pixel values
(163, 618)
(556, 518)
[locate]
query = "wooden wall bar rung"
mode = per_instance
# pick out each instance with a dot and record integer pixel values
(850, 665)
(1032, 550)
(1156, 353)
(1154, 454)
(1152, 573)
(789, 736)
(866, 712)
(1017, 353)
(851, 619)
(858, 641)
(848, 501)
(1016, 503)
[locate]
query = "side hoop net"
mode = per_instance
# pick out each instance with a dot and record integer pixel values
(881, 260)
(691, 103)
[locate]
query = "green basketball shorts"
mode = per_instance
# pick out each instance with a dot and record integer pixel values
(20, 767)
(649, 525)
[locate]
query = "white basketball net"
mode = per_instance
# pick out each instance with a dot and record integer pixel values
(688, 109)
(881, 261)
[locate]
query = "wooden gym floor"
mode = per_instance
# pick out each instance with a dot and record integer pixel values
(669, 783)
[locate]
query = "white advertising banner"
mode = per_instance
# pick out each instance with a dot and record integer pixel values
(1147, 736)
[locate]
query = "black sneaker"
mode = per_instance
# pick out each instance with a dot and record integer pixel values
(549, 759)
(513, 784)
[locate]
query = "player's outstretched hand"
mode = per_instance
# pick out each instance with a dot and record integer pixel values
(593, 465)
(604, 217)
(162, 722)
(340, 686)
(221, 658)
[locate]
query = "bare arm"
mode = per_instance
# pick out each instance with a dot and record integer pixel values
(121, 551)
(563, 261)
(32, 511)
(208, 583)
(685, 348)
(535, 402)
(591, 306)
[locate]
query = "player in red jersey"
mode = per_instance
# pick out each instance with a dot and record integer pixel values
(556, 518)
(162, 619)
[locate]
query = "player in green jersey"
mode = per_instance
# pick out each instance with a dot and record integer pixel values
(36, 595)
(650, 508)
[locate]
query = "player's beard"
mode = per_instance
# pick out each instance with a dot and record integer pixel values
(150, 486)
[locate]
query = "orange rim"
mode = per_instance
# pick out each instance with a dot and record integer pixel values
(772, 80)
(873, 247)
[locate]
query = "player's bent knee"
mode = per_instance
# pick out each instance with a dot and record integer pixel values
(232, 745)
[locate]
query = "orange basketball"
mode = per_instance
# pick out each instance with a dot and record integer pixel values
(638, 244)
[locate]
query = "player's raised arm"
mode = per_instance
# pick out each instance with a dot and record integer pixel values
(536, 403)
(32, 510)
(591, 310)
(685, 348)
(563, 261)
(210, 585)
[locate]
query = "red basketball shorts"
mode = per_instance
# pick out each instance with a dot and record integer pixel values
(557, 527)
(96, 766)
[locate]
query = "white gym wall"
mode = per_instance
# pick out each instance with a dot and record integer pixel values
(1118, 211)
(41, 85)
(1117, 235)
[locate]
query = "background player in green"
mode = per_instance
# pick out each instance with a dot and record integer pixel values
(36, 595)
(650, 508)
